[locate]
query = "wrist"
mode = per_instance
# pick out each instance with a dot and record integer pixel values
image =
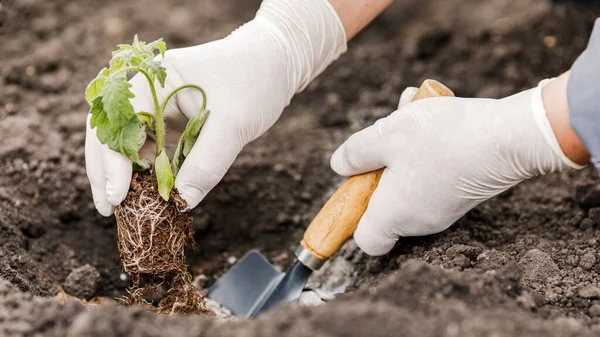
(554, 97)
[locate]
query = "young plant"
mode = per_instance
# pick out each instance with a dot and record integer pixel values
(124, 130)
(151, 231)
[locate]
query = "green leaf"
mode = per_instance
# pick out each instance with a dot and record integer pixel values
(155, 68)
(178, 157)
(158, 44)
(188, 139)
(162, 47)
(192, 130)
(94, 89)
(122, 57)
(131, 139)
(115, 64)
(99, 120)
(164, 175)
(136, 42)
(147, 119)
(98, 114)
(115, 97)
(137, 168)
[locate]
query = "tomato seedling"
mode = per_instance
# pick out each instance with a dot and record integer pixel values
(122, 128)
(151, 231)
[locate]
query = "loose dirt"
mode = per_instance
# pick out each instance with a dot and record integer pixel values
(524, 263)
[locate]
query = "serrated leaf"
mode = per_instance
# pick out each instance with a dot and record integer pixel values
(98, 114)
(158, 44)
(188, 139)
(164, 175)
(121, 58)
(131, 139)
(94, 89)
(122, 46)
(115, 97)
(155, 68)
(162, 47)
(115, 64)
(99, 121)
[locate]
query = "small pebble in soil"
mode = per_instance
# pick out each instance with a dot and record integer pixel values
(590, 291)
(231, 259)
(221, 313)
(537, 267)
(123, 277)
(310, 298)
(527, 301)
(586, 224)
(81, 282)
(594, 214)
(470, 252)
(492, 260)
(587, 261)
(595, 310)
(200, 281)
(306, 196)
(573, 260)
(461, 261)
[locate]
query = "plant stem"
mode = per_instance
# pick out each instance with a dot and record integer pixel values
(159, 123)
(193, 86)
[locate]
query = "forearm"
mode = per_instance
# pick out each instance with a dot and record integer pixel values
(356, 14)
(584, 96)
(555, 100)
(572, 102)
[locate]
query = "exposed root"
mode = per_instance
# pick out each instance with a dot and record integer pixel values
(152, 236)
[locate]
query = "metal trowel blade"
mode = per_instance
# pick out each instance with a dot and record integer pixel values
(254, 285)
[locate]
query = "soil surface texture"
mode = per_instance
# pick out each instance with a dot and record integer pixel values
(524, 263)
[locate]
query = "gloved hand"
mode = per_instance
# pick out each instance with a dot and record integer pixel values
(445, 156)
(249, 77)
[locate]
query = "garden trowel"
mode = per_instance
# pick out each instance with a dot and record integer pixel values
(254, 285)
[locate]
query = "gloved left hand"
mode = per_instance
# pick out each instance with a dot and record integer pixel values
(249, 77)
(444, 156)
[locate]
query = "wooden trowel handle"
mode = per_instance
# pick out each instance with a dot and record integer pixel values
(337, 220)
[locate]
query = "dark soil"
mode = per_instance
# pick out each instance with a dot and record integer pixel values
(524, 263)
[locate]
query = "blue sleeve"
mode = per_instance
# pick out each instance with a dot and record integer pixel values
(584, 96)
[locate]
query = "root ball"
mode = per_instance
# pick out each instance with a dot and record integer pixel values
(152, 236)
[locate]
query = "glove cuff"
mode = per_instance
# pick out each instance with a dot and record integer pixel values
(540, 116)
(310, 32)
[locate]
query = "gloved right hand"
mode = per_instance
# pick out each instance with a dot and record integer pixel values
(444, 156)
(249, 77)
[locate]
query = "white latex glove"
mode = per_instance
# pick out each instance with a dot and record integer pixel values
(249, 77)
(445, 156)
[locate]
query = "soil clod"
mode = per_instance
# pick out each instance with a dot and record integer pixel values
(590, 291)
(537, 267)
(492, 260)
(594, 215)
(595, 310)
(82, 282)
(587, 261)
